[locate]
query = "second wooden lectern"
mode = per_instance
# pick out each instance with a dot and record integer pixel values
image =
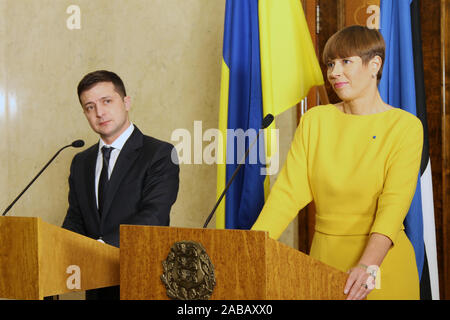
(248, 265)
(35, 258)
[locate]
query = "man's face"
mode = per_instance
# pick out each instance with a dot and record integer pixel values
(106, 111)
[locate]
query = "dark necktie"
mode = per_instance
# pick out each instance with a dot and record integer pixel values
(103, 183)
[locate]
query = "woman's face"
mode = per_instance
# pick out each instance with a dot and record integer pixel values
(350, 78)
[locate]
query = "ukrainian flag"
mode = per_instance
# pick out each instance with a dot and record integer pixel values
(269, 64)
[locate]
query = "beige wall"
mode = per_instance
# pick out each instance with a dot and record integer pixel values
(168, 52)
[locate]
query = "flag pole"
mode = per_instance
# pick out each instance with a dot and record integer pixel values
(323, 95)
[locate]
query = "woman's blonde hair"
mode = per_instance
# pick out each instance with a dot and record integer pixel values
(355, 41)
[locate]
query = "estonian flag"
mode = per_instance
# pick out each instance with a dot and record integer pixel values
(269, 64)
(400, 27)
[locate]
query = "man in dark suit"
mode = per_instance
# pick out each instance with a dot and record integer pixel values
(126, 178)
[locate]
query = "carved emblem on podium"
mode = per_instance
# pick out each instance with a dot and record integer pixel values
(188, 272)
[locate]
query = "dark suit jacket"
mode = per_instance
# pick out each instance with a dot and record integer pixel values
(142, 188)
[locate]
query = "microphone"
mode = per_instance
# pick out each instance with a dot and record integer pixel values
(265, 123)
(75, 144)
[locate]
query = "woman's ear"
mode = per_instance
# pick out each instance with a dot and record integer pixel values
(375, 65)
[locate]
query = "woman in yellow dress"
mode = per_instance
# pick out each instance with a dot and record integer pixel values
(359, 161)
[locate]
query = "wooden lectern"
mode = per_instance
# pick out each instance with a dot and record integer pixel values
(248, 265)
(37, 259)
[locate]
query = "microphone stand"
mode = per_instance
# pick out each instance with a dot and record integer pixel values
(266, 122)
(37, 176)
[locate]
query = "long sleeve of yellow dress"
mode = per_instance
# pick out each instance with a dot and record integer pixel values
(361, 171)
(400, 183)
(291, 191)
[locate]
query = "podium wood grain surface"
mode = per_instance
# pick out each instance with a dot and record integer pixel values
(248, 265)
(35, 255)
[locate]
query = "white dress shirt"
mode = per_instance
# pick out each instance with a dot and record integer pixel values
(117, 145)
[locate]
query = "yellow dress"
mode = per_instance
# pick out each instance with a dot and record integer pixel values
(361, 171)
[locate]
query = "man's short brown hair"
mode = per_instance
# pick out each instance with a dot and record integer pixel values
(355, 41)
(95, 77)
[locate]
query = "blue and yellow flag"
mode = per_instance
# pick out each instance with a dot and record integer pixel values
(269, 65)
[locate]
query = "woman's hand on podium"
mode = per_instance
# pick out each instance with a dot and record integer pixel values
(360, 282)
